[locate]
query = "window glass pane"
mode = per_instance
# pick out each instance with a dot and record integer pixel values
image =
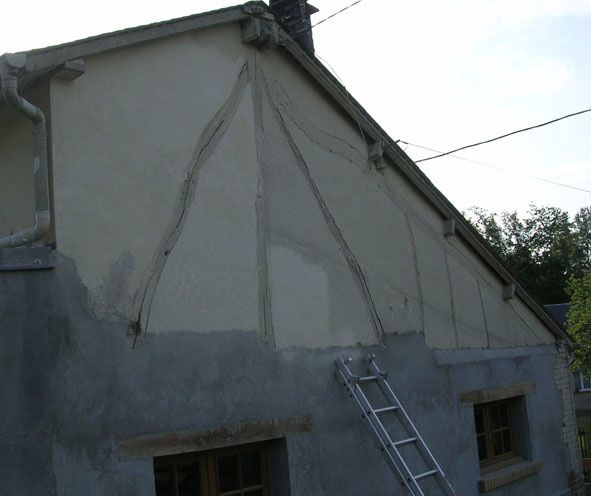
(495, 417)
(164, 479)
(228, 473)
(504, 410)
(498, 443)
(586, 383)
(577, 380)
(507, 444)
(188, 479)
(481, 441)
(251, 469)
(479, 420)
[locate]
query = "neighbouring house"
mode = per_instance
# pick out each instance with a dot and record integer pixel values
(582, 389)
(196, 221)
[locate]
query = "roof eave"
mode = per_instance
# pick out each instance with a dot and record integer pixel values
(43, 59)
(405, 165)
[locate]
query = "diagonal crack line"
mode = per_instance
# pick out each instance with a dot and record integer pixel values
(339, 146)
(329, 219)
(208, 140)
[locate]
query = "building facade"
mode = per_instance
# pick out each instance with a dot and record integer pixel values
(222, 222)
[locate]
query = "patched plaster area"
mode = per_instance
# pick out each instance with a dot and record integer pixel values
(277, 224)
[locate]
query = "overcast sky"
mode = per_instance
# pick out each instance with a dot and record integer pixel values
(432, 73)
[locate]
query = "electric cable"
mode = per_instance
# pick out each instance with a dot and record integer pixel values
(537, 178)
(329, 17)
(336, 13)
(443, 154)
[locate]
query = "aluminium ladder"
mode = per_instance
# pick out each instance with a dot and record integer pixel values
(390, 448)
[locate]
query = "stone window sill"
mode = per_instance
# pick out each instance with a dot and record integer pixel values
(27, 258)
(506, 475)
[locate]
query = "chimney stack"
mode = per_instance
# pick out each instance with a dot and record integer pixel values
(294, 17)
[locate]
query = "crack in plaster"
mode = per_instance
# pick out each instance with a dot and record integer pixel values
(328, 218)
(483, 313)
(529, 328)
(415, 260)
(451, 300)
(329, 142)
(481, 277)
(265, 310)
(207, 142)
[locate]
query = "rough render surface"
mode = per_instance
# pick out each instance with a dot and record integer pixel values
(246, 169)
(73, 389)
(215, 196)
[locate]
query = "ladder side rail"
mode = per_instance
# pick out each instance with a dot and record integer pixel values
(347, 378)
(355, 390)
(384, 444)
(409, 478)
(408, 423)
(391, 396)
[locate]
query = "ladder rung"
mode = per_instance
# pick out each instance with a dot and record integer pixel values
(353, 385)
(386, 409)
(369, 378)
(405, 441)
(425, 475)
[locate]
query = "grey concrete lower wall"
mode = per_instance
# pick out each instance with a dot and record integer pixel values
(72, 392)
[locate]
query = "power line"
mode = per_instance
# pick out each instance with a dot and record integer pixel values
(443, 154)
(537, 178)
(347, 93)
(330, 16)
(337, 13)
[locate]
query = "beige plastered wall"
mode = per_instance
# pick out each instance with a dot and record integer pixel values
(17, 199)
(289, 232)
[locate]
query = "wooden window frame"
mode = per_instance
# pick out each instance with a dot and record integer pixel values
(175, 460)
(208, 468)
(492, 460)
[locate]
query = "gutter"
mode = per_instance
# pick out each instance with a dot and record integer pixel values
(10, 66)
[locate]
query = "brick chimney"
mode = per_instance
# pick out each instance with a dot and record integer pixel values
(294, 17)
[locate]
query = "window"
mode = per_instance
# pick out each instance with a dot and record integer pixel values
(582, 382)
(494, 432)
(237, 471)
(502, 434)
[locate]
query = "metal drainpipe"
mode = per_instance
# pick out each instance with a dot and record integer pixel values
(9, 68)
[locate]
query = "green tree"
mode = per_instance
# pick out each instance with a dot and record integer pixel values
(486, 223)
(579, 318)
(582, 231)
(543, 249)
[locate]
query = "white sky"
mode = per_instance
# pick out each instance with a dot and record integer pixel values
(437, 74)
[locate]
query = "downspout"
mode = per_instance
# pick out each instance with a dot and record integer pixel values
(9, 69)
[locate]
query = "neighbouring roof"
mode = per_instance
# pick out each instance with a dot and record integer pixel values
(559, 312)
(44, 60)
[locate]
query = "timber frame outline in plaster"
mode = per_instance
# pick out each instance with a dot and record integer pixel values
(329, 219)
(265, 307)
(333, 144)
(208, 140)
(40, 62)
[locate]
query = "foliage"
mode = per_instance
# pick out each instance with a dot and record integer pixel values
(579, 317)
(543, 249)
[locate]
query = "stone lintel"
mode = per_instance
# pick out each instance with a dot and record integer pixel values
(497, 393)
(172, 443)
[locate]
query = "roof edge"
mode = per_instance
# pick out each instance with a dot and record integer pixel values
(412, 172)
(42, 59)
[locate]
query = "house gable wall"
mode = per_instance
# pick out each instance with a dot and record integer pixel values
(218, 187)
(289, 231)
